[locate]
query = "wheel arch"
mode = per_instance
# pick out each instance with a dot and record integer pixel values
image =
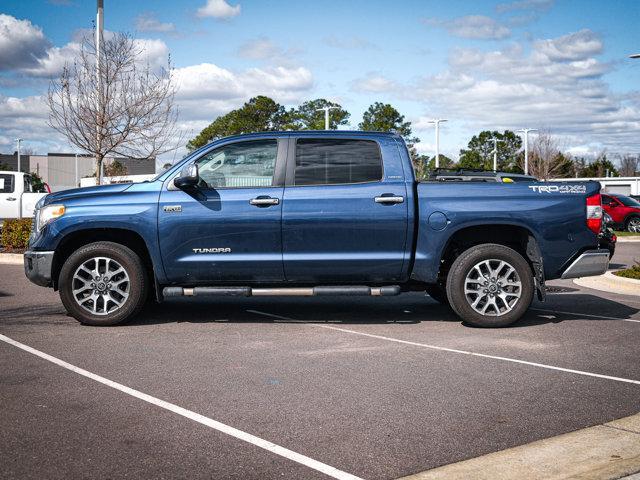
(519, 238)
(79, 238)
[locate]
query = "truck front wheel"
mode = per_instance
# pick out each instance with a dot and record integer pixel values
(490, 285)
(103, 283)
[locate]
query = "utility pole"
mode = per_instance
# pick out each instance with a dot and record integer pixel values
(18, 140)
(526, 147)
(437, 122)
(326, 115)
(495, 154)
(76, 170)
(99, 30)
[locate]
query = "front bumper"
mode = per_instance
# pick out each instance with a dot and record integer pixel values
(37, 267)
(589, 264)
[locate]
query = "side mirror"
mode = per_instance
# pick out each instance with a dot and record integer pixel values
(188, 178)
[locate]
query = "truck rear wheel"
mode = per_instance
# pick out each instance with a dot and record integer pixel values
(103, 283)
(490, 285)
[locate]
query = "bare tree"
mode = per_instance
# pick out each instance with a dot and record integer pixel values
(129, 110)
(629, 165)
(546, 159)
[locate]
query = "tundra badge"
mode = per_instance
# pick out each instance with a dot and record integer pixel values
(172, 208)
(212, 250)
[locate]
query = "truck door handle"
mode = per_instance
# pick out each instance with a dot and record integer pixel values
(264, 201)
(389, 199)
(11, 199)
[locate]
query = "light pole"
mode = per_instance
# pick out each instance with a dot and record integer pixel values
(495, 154)
(635, 55)
(526, 147)
(326, 115)
(437, 122)
(18, 140)
(76, 169)
(99, 29)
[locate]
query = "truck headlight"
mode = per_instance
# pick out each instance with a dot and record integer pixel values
(47, 214)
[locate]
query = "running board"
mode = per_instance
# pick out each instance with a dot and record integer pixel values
(280, 292)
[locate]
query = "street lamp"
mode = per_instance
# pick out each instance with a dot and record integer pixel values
(635, 55)
(99, 101)
(326, 115)
(437, 122)
(18, 140)
(526, 147)
(495, 154)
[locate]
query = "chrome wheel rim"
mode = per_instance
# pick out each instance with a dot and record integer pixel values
(492, 287)
(100, 285)
(634, 225)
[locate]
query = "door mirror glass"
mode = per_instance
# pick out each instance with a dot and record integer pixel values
(188, 178)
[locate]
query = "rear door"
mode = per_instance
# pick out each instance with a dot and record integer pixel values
(9, 200)
(229, 230)
(344, 217)
(29, 198)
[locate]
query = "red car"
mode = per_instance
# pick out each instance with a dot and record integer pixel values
(625, 211)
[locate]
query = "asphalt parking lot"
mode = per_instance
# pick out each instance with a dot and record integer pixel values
(373, 387)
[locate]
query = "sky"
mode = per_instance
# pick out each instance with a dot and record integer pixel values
(561, 66)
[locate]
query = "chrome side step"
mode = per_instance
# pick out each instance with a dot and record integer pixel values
(281, 292)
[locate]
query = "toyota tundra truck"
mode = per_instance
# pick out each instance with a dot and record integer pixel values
(311, 214)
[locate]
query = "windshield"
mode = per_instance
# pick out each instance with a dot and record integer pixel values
(628, 201)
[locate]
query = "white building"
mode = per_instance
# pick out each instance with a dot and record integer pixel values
(621, 185)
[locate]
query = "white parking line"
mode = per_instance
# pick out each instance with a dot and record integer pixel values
(196, 417)
(585, 315)
(463, 352)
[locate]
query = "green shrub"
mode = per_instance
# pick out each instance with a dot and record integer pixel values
(633, 272)
(15, 233)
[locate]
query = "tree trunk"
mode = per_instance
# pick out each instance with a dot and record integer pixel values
(99, 161)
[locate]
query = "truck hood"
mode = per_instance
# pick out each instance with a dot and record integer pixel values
(86, 192)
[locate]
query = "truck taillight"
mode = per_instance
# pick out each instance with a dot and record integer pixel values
(594, 213)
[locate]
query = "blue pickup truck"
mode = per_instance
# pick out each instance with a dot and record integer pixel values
(308, 214)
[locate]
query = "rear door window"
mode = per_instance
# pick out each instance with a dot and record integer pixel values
(330, 161)
(6, 183)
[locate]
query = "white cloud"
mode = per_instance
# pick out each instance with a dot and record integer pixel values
(575, 46)
(51, 64)
(22, 44)
(207, 90)
(153, 52)
(374, 83)
(478, 27)
(558, 85)
(218, 9)
(148, 22)
(25, 118)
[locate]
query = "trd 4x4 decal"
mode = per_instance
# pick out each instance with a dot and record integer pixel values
(559, 188)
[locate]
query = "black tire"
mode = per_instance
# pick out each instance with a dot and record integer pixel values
(138, 284)
(463, 265)
(628, 221)
(438, 293)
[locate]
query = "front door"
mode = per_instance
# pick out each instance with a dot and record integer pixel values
(344, 217)
(9, 200)
(229, 229)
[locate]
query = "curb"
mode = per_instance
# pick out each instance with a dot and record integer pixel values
(607, 451)
(629, 239)
(11, 259)
(611, 283)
